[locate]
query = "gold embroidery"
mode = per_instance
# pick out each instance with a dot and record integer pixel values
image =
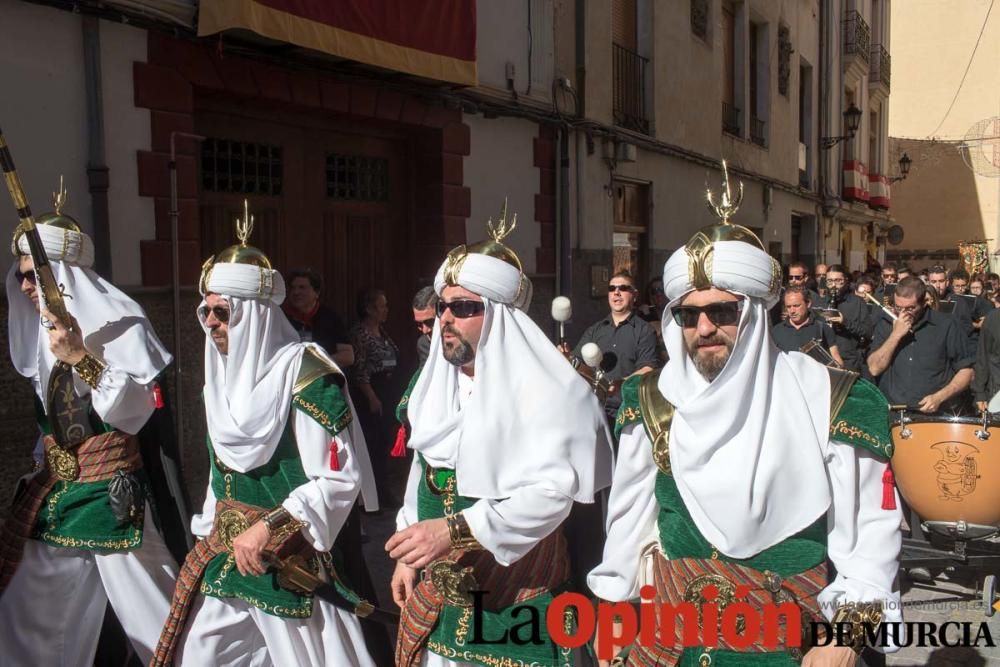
(463, 626)
(842, 427)
(322, 417)
(470, 656)
(274, 610)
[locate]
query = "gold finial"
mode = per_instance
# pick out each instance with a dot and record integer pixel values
(727, 208)
(244, 227)
(59, 198)
(499, 230)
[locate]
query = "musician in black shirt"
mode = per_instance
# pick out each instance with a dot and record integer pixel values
(802, 326)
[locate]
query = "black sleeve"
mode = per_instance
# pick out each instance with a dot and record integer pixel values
(337, 332)
(856, 317)
(960, 351)
(645, 347)
(982, 367)
(882, 330)
(587, 337)
(829, 338)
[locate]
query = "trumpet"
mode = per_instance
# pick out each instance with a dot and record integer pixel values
(875, 301)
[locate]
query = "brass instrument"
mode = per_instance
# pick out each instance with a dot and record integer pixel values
(48, 289)
(872, 299)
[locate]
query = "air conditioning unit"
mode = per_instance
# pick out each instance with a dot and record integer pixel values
(803, 157)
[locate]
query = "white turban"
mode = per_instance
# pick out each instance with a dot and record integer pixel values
(531, 420)
(492, 278)
(61, 245)
(736, 266)
(247, 281)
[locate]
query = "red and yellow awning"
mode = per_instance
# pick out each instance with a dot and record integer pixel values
(435, 39)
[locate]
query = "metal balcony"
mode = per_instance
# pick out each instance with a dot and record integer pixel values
(881, 64)
(758, 131)
(629, 77)
(730, 119)
(857, 36)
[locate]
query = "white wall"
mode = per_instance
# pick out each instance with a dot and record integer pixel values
(501, 164)
(502, 37)
(43, 114)
(126, 131)
(43, 108)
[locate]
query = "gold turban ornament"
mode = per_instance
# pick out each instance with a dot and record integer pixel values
(700, 248)
(240, 253)
(492, 247)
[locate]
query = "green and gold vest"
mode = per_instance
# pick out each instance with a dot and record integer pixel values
(859, 418)
(318, 394)
(77, 514)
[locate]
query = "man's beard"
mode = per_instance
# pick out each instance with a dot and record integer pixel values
(461, 351)
(710, 365)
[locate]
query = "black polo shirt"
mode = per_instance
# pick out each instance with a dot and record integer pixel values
(925, 360)
(633, 343)
(327, 329)
(790, 339)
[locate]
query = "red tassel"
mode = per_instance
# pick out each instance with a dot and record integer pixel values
(399, 448)
(157, 395)
(334, 457)
(888, 490)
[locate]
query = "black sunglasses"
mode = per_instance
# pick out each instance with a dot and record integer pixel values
(29, 274)
(426, 323)
(461, 308)
(721, 314)
(620, 288)
(220, 313)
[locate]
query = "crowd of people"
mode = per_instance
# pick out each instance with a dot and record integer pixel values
(522, 482)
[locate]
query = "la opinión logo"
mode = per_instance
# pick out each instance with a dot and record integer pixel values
(739, 624)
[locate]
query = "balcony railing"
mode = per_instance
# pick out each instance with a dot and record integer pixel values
(758, 131)
(881, 65)
(630, 89)
(857, 35)
(730, 119)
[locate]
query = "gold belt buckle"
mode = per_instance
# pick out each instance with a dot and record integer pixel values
(453, 584)
(229, 524)
(725, 596)
(62, 463)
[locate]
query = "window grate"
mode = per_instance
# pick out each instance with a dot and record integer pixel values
(357, 177)
(241, 167)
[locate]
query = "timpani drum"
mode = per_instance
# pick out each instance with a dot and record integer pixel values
(947, 469)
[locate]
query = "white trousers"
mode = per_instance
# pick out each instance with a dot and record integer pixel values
(53, 608)
(231, 633)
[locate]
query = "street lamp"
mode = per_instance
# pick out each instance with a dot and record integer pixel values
(904, 169)
(852, 121)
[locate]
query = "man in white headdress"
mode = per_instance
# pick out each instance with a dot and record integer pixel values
(507, 436)
(740, 465)
(80, 532)
(287, 464)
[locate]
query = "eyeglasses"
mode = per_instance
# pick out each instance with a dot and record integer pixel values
(791, 277)
(620, 288)
(721, 314)
(906, 309)
(29, 275)
(887, 276)
(835, 281)
(221, 314)
(429, 323)
(461, 308)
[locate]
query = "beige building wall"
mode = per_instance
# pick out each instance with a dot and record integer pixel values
(944, 201)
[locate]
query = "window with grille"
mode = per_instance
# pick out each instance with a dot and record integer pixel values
(241, 167)
(357, 177)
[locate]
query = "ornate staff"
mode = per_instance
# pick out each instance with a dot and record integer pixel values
(51, 296)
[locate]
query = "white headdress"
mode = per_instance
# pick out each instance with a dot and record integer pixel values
(248, 391)
(531, 420)
(115, 326)
(746, 449)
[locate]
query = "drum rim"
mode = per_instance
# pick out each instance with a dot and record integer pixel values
(922, 418)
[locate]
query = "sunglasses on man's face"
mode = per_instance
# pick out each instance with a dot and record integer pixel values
(28, 275)
(462, 308)
(794, 277)
(429, 323)
(620, 288)
(721, 314)
(221, 314)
